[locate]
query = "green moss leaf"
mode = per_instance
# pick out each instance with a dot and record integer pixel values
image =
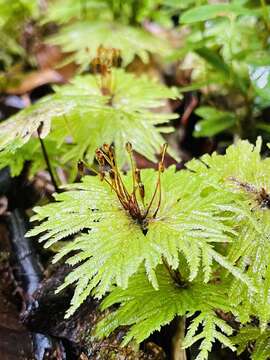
(206, 12)
(78, 114)
(113, 246)
(146, 310)
(84, 38)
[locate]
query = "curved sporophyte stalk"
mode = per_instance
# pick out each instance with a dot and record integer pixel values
(133, 201)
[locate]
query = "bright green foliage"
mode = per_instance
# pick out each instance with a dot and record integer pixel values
(127, 11)
(161, 306)
(213, 227)
(18, 130)
(190, 226)
(227, 49)
(213, 121)
(214, 329)
(13, 15)
(31, 152)
(19, 140)
(207, 12)
(258, 341)
(84, 38)
(108, 23)
(80, 114)
(251, 250)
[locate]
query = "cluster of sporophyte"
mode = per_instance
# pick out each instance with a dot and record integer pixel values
(177, 242)
(103, 63)
(108, 105)
(133, 201)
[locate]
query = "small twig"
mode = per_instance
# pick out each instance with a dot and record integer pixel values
(47, 161)
(189, 109)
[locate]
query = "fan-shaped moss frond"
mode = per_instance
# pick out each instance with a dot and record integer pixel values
(161, 306)
(84, 38)
(182, 243)
(114, 244)
(242, 161)
(213, 328)
(242, 172)
(259, 341)
(62, 11)
(17, 130)
(83, 115)
(91, 24)
(131, 12)
(19, 135)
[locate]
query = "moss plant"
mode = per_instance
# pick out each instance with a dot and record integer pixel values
(109, 105)
(192, 243)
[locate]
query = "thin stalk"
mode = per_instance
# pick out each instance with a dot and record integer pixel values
(178, 353)
(97, 173)
(153, 196)
(132, 168)
(159, 198)
(117, 183)
(119, 178)
(134, 186)
(158, 185)
(47, 161)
